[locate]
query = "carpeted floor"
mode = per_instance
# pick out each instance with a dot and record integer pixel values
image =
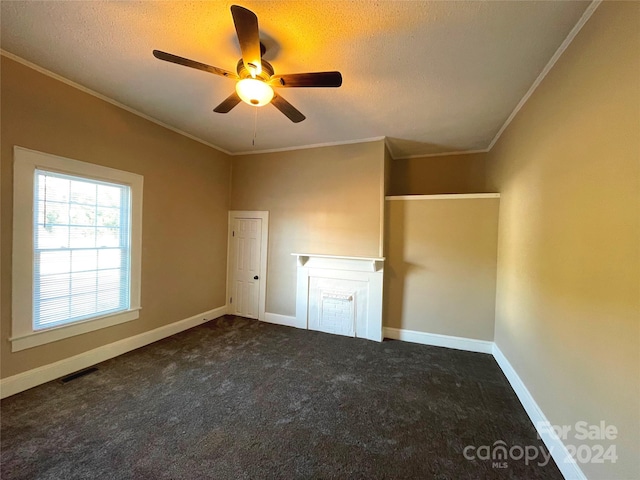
(235, 399)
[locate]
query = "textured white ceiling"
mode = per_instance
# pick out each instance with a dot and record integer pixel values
(431, 76)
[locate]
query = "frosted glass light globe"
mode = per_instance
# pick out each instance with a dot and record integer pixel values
(254, 92)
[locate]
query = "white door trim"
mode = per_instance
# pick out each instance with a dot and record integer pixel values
(264, 243)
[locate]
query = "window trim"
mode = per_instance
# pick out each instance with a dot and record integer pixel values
(25, 163)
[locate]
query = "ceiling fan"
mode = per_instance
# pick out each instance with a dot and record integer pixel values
(255, 76)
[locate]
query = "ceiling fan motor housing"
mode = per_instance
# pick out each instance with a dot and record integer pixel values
(266, 73)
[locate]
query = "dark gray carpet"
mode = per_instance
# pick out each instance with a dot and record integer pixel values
(236, 398)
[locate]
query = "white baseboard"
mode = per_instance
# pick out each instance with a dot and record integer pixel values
(285, 320)
(459, 343)
(31, 378)
(568, 467)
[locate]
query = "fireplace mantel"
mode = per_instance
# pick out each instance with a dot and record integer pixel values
(338, 262)
(340, 294)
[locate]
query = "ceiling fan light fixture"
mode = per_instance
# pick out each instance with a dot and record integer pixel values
(255, 76)
(254, 92)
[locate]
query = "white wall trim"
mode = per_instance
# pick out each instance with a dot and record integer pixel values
(25, 164)
(452, 196)
(84, 89)
(32, 378)
(439, 154)
(567, 41)
(563, 46)
(552, 61)
(42, 337)
(568, 467)
(306, 147)
(561, 456)
(37, 376)
(437, 340)
(285, 320)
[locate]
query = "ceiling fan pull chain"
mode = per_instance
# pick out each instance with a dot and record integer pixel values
(255, 125)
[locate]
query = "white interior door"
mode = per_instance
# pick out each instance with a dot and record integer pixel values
(245, 266)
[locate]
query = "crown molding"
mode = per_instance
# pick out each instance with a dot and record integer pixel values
(552, 61)
(110, 100)
(84, 89)
(387, 144)
(306, 147)
(440, 154)
(563, 46)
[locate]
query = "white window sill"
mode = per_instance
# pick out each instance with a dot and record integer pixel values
(33, 339)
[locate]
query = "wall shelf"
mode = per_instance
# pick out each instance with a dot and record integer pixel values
(448, 196)
(339, 262)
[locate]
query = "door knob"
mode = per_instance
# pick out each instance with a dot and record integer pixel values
(256, 277)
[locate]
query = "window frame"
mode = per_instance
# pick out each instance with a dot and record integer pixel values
(25, 163)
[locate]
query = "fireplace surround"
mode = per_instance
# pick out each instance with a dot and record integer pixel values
(340, 295)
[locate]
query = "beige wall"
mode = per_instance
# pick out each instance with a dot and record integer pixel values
(568, 168)
(186, 188)
(568, 299)
(441, 266)
(387, 170)
(444, 174)
(321, 200)
(384, 204)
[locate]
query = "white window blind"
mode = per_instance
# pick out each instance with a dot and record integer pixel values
(82, 257)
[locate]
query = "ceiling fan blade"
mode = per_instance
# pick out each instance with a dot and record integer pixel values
(289, 110)
(168, 57)
(316, 79)
(230, 102)
(246, 23)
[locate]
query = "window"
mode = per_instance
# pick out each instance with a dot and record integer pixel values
(81, 249)
(76, 259)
